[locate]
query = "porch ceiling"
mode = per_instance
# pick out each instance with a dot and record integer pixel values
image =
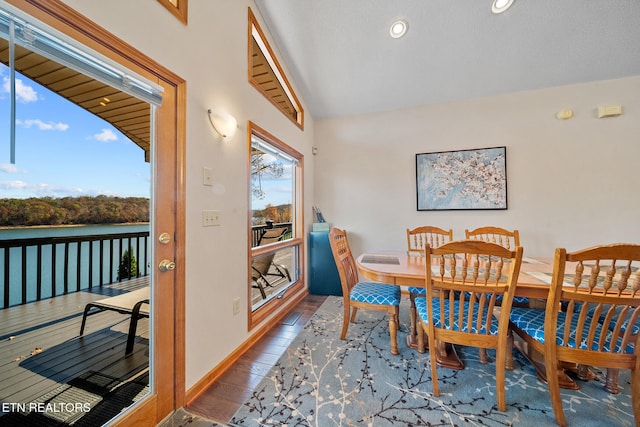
(128, 114)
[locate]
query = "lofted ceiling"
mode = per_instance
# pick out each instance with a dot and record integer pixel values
(342, 62)
(128, 114)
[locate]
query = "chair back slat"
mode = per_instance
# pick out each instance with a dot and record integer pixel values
(497, 235)
(419, 237)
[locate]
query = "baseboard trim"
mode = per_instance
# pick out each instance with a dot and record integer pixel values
(205, 382)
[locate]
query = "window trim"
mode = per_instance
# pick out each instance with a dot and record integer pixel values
(297, 240)
(178, 9)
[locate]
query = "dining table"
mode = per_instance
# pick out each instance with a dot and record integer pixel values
(408, 269)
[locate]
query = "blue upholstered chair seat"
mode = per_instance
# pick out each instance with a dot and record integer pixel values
(376, 293)
(422, 291)
(532, 322)
(417, 290)
(423, 312)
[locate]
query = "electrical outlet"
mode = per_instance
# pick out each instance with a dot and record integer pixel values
(236, 306)
(210, 218)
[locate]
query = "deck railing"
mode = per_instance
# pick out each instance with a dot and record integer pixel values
(39, 268)
(258, 230)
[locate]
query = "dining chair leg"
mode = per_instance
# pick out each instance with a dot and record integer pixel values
(611, 384)
(553, 383)
(421, 334)
(393, 329)
(482, 356)
(353, 314)
(500, 378)
(413, 319)
(434, 366)
(509, 354)
(345, 321)
(635, 391)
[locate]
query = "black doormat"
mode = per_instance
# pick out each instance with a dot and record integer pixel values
(88, 400)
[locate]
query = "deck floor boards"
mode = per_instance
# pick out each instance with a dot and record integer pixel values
(41, 350)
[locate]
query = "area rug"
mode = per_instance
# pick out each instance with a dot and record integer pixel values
(323, 381)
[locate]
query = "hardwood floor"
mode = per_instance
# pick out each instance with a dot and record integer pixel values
(225, 396)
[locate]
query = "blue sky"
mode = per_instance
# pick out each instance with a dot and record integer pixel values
(63, 150)
(277, 191)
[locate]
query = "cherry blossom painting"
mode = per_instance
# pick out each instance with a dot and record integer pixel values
(462, 180)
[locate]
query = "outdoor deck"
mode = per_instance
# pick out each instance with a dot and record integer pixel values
(43, 358)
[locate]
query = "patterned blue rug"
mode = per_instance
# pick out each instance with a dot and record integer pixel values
(323, 381)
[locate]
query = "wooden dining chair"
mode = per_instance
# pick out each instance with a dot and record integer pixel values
(364, 295)
(591, 317)
(417, 239)
(463, 280)
(497, 235)
(508, 239)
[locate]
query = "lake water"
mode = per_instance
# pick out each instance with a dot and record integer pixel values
(69, 230)
(65, 269)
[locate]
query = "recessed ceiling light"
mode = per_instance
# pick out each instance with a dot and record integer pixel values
(499, 6)
(398, 28)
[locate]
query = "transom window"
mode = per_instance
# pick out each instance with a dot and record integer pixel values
(266, 75)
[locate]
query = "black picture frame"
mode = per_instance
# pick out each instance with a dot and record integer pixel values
(473, 179)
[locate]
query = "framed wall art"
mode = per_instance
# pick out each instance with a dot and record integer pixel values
(462, 180)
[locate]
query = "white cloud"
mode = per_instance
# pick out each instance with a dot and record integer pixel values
(22, 190)
(105, 136)
(9, 168)
(13, 185)
(42, 125)
(24, 93)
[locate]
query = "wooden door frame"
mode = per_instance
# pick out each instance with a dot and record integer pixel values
(169, 190)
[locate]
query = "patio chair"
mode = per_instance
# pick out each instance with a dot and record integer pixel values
(134, 304)
(263, 267)
(463, 280)
(591, 317)
(365, 295)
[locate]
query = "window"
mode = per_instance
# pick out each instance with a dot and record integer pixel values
(275, 222)
(177, 7)
(266, 75)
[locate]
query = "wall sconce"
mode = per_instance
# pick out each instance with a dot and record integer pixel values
(223, 123)
(499, 6)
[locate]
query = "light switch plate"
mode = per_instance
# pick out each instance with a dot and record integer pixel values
(207, 176)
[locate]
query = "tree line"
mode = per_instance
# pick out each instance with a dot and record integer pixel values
(73, 210)
(277, 214)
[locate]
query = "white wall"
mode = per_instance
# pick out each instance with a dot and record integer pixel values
(572, 183)
(211, 55)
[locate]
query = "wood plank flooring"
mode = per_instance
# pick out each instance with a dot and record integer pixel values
(225, 396)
